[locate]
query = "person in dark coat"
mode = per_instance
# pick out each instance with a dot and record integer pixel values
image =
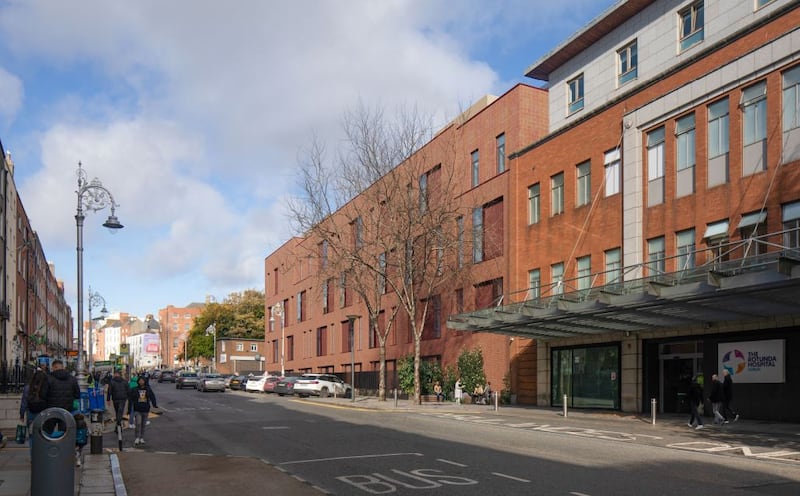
(118, 392)
(716, 400)
(727, 397)
(695, 398)
(62, 388)
(142, 397)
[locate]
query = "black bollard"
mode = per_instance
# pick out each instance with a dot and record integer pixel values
(96, 430)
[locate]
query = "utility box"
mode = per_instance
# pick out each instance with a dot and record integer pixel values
(53, 453)
(96, 432)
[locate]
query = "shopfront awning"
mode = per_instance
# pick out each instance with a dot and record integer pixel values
(764, 288)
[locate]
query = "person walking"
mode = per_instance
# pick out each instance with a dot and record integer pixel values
(118, 390)
(62, 388)
(33, 400)
(695, 398)
(727, 397)
(141, 398)
(716, 400)
(132, 383)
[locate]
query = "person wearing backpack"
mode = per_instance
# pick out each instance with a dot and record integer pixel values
(33, 399)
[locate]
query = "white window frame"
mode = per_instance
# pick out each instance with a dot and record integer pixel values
(685, 247)
(656, 257)
(719, 128)
(500, 142)
(557, 194)
(685, 142)
(690, 24)
(613, 262)
(627, 63)
(534, 204)
(575, 92)
(475, 163)
(534, 284)
(583, 178)
(754, 113)
(557, 278)
(584, 271)
(612, 163)
(791, 98)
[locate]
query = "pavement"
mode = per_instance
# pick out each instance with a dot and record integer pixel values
(104, 473)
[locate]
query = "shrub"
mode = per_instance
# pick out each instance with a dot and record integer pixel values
(470, 369)
(429, 372)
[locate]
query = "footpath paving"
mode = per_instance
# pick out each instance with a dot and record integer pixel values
(105, 474)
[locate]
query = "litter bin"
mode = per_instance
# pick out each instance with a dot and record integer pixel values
(96, 432)
(53, 454)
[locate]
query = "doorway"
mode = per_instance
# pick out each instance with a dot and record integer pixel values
(678, 363)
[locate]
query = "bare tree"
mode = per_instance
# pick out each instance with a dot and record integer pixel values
(384, 220)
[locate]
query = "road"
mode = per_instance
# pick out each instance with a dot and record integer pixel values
(232, 436)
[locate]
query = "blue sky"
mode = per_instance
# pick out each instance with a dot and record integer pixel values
(194, 112)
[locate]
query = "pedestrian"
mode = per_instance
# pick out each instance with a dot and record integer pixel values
(132, 383)
(716, 400)
(62, 388)
(33, 400)
(117, 393)
(141, 398)
(81, 436)
(437, 390)
(727, 397)
(695, 398)
(458, 391)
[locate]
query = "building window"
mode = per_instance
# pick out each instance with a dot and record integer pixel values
(557, 194)
(253, 347)
(685, 136)
(382, 273)
(628, 63)
(436, 310)
(613, 266)
(761, 3)
(691, 25)
(718, 142)
(358, 233)
(716, 236)
(791, 225)
(534, 284)
(754, 105)
(791, 115)
(239, 346)
(584, 266)
(476, 169)
(584, 183)
(423, 193)
(753, 225)
(477, 235)
(655, 167)
(322, 341)
(301, 306)
(186, 327)
(460, 241)
(613, 172)
(342, 290)
(325, 290)
(557, 278)
(289, 348)
(501, 153)
(655, 257)
(575, 94)
(534, 204)
(685, 249)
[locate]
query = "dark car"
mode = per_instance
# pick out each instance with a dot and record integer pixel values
(166, 376)
(186, 379)
(237, 383)
(285, 386)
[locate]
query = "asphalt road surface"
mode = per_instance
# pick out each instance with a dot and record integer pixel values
(227, 443)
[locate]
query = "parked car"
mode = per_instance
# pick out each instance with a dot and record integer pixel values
(269, 383)
(211, 382)
(166, 376)
(322, 385)
(186, 379)
(255, 384)
(285, 386)
(237, 382)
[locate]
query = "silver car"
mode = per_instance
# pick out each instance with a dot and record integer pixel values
(211, 382)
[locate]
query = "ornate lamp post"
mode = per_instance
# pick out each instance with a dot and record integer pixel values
(93, 196)
(95, 300)
(277, 312)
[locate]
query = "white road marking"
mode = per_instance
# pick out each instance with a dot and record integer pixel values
(275, 427)
(349, 458)
(518, 479)
(451, 462)
(578, 494)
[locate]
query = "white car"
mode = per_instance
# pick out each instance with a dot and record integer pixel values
(211, 382)
(322, 385)
(255, 384)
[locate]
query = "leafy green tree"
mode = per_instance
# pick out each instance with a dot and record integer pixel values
(470, 369)
(240, 315)
(429, 372)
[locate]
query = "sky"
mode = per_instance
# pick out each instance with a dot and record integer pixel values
(194, 114)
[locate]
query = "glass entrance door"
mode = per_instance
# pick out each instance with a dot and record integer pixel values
(679, 363)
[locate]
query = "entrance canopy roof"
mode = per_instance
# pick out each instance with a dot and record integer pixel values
(749, 288)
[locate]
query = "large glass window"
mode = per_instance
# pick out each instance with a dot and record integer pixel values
(684, 132)
(534, 284)
(575, 94)
(534, 204)
(584, 268)
(685, 249)
(791, 99)
(613, 171)
(655, 166)
(718, 128)
(589, 377)
(754, 102)
(501, 153)
(613, 266)
(557, 278)
(791, 225)
(557, 194)
(584, 183)
(477, 234)
(655, 256)
(628, 63)
(691, 25)
(476, 168)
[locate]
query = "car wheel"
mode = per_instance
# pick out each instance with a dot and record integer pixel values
(323, 393)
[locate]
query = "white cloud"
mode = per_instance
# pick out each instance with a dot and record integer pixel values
(13, 93)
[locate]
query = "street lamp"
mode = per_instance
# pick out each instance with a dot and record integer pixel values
(277, 311)
(352, 319)
(93, 196)
(212, 330)
(95, 299)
